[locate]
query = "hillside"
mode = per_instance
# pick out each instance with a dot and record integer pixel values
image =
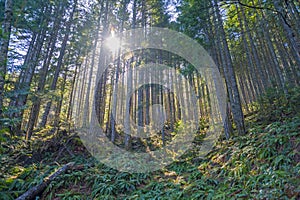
(264, 164)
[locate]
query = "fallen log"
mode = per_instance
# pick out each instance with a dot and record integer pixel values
(36, 190)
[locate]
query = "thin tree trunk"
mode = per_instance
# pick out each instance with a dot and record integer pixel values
(128, 106)
(236, 107)
(255, 84)
(43, 74)
(257, 61)
(30, 64)
(291, 36)
(60, 101)
(4, 43)
(59, 65)
(72, 94)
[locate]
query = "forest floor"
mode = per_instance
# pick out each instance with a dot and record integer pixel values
(264, 164)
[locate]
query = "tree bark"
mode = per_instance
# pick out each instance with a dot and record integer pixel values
(36, 190)
(59, 65)
(4, 43)
(236, 107)
(43, 73)
(291, 36)
(30, 63)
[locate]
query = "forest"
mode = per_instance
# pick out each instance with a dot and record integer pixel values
(149, 99)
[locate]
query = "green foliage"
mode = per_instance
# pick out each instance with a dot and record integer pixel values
(261, 165)
(9, 119)
(192, 22)
(276, 105)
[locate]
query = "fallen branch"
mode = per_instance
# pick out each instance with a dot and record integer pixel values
(34, 191)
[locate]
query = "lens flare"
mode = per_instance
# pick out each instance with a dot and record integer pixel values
(113, 43)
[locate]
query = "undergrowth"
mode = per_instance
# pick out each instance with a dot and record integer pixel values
(264, 164)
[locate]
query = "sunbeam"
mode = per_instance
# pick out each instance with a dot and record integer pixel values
(113, 43)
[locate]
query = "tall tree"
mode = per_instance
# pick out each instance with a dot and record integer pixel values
(235, 102)
(4, 43)
(44, 70)
(59, 63)
(30, 63)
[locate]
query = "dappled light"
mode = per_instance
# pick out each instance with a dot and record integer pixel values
(140, 99)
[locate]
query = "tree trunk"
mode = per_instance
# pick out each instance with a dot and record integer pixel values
(59, 65)
(259, 67)
(72, 95)
(43, 74)
(236, 107)
(255, 84)
(60, 101)
(30, 64)
(4, 43)
(291, 36)
(36, 190)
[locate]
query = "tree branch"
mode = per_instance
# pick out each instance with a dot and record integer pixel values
(265, 8)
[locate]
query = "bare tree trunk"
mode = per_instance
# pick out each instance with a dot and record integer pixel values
(236, 107)
(279, 73)
(118, 69)
(129, 86)
(4, 43)
(88, 102)
(100, 94)
(60, 101)
(72, 94)
(43, 74)
(127, 108)
(291, 36)
(30, 64)
(59, 64)
(114, 103)
(259, 66)
(255, 84)
(222, 62)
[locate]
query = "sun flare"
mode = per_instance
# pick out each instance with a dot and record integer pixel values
(113, 43)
